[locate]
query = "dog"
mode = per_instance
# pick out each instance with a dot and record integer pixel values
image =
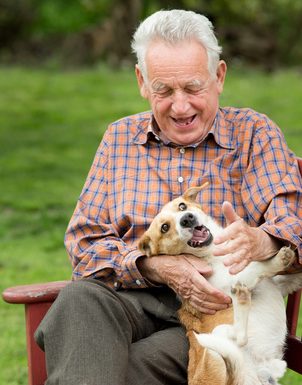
(241, 345)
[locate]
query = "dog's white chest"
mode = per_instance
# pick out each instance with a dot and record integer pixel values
(221, 278)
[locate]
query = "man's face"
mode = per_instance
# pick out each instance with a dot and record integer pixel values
(184, 97)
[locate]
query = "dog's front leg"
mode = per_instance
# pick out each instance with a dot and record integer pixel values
(257, 270)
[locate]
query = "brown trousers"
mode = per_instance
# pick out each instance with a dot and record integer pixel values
(93, 335)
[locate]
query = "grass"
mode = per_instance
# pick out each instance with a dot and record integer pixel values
(50, 125)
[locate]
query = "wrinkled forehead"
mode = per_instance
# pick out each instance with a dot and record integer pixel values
(173, 205)
(172, 210)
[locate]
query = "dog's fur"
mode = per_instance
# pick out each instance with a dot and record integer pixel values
(242, 345)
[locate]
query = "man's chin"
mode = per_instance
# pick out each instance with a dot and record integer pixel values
(186, 138)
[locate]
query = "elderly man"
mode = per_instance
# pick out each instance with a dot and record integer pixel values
(117, 322)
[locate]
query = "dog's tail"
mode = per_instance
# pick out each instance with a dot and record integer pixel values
(229, 351)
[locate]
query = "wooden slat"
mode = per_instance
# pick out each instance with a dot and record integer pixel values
(34, 313)
(293, 354)
(292, 312)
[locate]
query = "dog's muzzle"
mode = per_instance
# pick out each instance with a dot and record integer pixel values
(201, 235)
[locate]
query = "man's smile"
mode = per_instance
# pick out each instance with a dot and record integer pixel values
(184, 122)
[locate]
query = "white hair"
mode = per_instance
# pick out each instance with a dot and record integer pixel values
(176, 26)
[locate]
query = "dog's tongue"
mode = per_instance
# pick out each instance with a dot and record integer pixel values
(201, 237)
(200, 234)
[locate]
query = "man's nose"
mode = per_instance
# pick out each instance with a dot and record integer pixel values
(180, 103)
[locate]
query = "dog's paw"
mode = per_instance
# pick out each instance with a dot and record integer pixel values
(241, 338)
(285, 256)
(265, 377)
(271, 371)
(241, 292)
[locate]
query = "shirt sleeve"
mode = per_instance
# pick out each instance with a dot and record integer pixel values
(272, 185)
(94, 245)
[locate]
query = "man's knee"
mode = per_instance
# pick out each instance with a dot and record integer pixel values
(163, 356)
(82, 292)
(80, 306)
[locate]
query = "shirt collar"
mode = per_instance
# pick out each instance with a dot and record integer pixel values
(220, 130)
(143, 133)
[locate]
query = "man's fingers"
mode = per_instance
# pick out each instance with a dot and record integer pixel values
(200, 265)
(234, 224)
(227, 247)
(208, 299)
(235, 257)
(207, 292)
(229, 213)
(208, 307)
(237, 267)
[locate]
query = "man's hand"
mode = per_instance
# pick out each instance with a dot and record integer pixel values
(185, 275)
(240, 243)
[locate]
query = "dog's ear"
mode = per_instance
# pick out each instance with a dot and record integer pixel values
(144, 245)
(192, 192)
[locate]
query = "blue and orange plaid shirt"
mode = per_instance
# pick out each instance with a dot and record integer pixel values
(244, 158)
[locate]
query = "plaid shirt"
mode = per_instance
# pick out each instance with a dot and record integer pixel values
(244, 157)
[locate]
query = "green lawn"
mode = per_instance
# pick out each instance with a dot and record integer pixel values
(50, 125)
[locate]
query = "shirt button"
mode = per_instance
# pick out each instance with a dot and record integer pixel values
(182, 150)
(138, 282)
(180, 179)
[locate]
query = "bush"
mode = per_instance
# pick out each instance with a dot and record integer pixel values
(84, 31)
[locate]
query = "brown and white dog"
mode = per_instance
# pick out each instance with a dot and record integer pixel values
(242, 345)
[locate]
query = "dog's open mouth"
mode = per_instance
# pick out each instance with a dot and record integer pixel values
(201, 237)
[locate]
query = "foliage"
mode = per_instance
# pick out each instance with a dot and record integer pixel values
(57, 16)
(266, 33)
(272, 29)
(50, 125)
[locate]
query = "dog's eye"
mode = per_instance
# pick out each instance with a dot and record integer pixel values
(165, 227)
(182, 207)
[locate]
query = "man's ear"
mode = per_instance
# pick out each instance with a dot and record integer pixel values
(220, 75)
(145, 245)
(141, 82)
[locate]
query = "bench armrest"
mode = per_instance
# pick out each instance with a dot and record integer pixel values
(40, 292)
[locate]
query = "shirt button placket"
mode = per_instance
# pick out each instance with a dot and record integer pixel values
(182, 151)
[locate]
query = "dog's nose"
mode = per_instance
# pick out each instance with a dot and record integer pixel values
(188, 220)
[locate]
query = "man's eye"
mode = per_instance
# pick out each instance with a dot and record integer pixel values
(164, 92)
(182, 207)
(193, 90)
(165, 227)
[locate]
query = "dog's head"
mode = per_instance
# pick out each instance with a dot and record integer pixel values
(181, 227)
